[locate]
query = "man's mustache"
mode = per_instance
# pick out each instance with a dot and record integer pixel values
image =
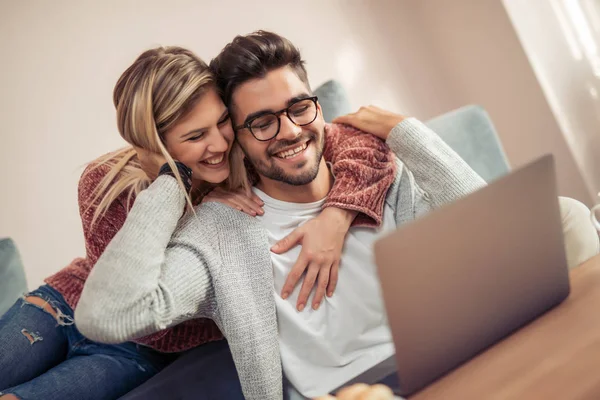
(284, 144)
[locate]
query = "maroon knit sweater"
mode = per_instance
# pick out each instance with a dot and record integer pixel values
(364, 169)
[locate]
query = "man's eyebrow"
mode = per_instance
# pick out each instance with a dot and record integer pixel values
(256, 114)
(267, 111)
(297, 98)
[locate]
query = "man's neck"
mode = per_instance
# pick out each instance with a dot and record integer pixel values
(309, 193)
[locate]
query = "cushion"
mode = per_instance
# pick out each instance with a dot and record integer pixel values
(469, 131)
(333, 100)
(12, 275)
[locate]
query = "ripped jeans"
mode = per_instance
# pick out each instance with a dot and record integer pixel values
(43, 356)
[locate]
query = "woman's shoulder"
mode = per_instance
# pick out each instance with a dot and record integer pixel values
(92, 175)
(96, 180)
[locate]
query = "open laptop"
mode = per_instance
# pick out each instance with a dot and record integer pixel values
(468, 274)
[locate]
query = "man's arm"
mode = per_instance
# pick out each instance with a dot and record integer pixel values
(433, 169)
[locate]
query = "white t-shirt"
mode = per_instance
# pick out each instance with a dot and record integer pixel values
(349, 333)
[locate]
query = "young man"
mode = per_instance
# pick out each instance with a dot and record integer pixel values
(280, 128)
(222, 268)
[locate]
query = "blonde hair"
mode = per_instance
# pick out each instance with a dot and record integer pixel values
(159, 89)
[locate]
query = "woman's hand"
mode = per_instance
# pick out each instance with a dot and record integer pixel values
(322, 239)
(251, 205)
(150, 161)
(360, 391)
(372, 119)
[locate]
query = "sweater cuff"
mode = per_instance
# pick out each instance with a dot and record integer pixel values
(362, 190)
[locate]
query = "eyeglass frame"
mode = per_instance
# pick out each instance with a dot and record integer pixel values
(277, 114)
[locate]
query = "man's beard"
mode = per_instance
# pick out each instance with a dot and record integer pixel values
(269, 169)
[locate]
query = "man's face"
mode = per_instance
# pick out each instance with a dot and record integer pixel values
(294, 155)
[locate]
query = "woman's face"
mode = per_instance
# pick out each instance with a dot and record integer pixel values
(203, 139)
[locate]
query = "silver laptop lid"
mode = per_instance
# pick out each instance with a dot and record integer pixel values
(466, 275)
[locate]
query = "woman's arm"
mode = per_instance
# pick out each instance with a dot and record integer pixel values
(437, 169)
(142, 283)
(363, 167)
(99, 233)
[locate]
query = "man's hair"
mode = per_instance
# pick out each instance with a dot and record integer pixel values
(252, 56)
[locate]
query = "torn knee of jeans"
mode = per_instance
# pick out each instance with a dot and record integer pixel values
(32, 336)
(49, 307)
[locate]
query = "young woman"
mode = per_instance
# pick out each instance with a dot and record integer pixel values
(166, 103)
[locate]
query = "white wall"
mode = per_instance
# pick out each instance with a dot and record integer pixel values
(484, 62)
(60, 61)
(451, 53)
(562, 41)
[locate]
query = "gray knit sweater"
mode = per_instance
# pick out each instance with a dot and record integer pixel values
(161, 269)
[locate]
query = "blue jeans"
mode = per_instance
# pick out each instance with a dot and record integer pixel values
(45, 357)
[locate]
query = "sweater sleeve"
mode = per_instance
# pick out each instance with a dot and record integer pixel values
(364, 168)
(439, 172)
(99, 234)
(145, 281)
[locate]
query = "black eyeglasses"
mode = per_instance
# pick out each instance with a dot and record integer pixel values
(266, 126)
